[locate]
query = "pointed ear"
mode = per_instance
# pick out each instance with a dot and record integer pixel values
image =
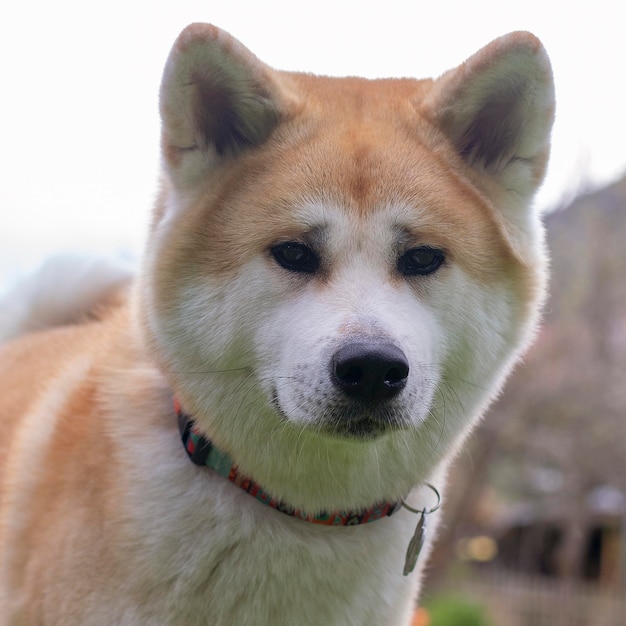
(217, 99)
(497, 109)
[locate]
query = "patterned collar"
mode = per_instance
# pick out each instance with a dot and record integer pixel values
(202, 452)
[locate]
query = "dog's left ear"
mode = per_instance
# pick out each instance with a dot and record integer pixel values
(497, 109)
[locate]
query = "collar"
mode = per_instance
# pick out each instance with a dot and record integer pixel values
(202, 452)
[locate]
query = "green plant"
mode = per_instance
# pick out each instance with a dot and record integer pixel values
(452, 610)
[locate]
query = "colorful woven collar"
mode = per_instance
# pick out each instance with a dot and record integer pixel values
(202, 452)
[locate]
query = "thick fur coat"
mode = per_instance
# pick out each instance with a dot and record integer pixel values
(339, 276)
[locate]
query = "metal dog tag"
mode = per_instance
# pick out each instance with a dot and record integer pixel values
(415, 545)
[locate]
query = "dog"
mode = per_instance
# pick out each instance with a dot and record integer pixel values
(340, 273)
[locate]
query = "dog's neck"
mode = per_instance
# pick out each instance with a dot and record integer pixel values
(203, 452)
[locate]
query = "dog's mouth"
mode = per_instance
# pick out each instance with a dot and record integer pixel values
(355, 421)
(361, 422)
(365, 429)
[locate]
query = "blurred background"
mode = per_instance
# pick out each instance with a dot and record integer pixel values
(535, 518)
(535, 530)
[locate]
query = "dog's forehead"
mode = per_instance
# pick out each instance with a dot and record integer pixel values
(365, 158)
(358, 94)
(386, 194)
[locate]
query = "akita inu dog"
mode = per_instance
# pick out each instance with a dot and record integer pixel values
(340, 274)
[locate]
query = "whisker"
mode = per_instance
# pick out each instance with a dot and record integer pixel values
(330, 469)
(472, 384)
(210, 372)
(441, 423)
(378, 473)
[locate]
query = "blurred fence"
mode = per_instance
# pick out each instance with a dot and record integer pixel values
(514, 600)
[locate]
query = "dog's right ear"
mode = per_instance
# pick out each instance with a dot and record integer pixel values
(217, 99)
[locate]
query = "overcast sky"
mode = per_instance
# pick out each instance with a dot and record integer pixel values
(78, 98)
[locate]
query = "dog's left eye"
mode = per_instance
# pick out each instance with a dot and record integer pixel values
(295, 257)
(420, 261)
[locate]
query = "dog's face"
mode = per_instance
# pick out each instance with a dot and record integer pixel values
(342, 271)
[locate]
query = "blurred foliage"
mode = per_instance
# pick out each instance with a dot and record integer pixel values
(452, 610)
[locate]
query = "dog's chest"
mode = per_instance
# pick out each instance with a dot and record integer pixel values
(235, 561)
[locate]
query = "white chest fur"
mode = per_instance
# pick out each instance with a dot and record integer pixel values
(212, 554)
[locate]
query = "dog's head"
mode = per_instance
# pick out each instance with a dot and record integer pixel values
(341, 272)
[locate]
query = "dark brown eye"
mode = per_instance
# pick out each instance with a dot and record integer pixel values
(295, 257)
(420, 261)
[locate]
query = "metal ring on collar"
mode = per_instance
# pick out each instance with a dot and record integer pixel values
(424, 511)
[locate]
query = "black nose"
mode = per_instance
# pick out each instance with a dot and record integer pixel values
(370, 371)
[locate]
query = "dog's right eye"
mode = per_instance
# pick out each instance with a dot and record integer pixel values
(295, 257)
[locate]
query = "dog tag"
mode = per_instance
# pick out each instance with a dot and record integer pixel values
(415, 545)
